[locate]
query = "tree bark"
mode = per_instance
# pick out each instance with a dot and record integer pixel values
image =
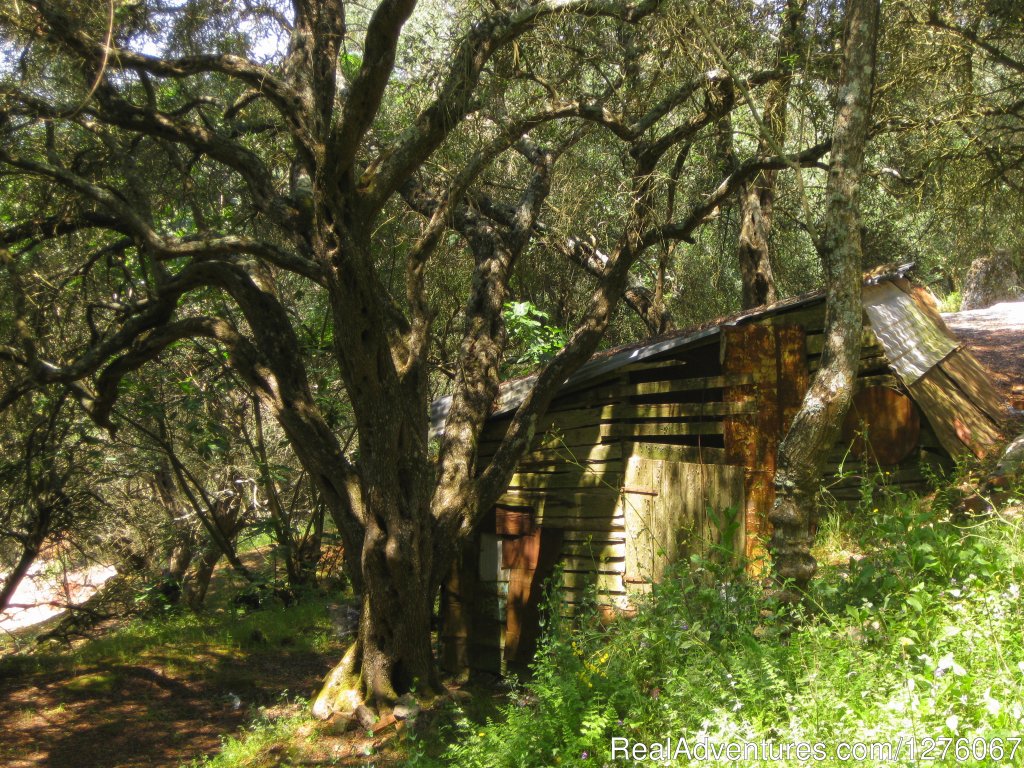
(196, 583)
(181, 549)
(757, 196)
(28, 556)
(817, 423)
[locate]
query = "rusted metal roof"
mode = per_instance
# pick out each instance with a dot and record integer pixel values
(913, 342)
(514, 391)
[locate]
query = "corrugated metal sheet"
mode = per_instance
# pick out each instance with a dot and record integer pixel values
(913, 342)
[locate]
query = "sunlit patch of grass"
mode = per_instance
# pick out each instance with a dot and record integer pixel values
(49, 712)
(185, 640)
(93, 683)
(215, 646)
(836, 541)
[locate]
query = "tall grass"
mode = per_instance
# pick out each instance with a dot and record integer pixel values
(916, 636)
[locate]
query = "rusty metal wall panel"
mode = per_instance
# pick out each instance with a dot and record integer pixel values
(751, 441)
(882, 426)
(512, 522)
(776, 357)
(525, 591)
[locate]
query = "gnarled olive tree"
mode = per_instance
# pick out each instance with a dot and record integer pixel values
(177, 184)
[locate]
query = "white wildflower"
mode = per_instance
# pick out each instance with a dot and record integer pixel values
(948, 664)
(994, 706)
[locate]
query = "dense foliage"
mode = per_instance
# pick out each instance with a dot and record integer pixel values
(912, 633)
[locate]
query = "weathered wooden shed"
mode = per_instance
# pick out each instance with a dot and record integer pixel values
(661, 449)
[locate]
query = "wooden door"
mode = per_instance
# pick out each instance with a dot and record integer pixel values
(530, 559)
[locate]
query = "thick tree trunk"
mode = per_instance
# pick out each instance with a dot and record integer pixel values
(196, 583)
(394, 634)
(393, 653)
(758, 196)
(397, 559)
(755, 226)
(385, 377)
(817, 423)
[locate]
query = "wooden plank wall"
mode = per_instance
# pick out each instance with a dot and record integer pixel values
(623, 447)
(697, 510)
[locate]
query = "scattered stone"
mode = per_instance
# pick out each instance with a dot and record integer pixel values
(344, 619)
(407, 708)
(385, 722)
(1009, 469)
(339, 724)
(366, 716)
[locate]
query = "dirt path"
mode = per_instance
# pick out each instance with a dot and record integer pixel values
(47, 590)
(109, 716)
(142, 715)
(996, 337)
(148, 694)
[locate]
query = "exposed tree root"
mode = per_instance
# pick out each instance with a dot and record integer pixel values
(343, 690)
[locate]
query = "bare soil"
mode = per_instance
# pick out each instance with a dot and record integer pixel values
(144, 715)
(996, 337)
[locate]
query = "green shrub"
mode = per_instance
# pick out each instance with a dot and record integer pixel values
(920, 637)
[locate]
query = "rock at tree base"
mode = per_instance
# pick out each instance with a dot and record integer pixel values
(407, 708)
(992, 279)
(1009, 469)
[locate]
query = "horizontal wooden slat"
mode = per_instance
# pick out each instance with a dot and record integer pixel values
(586, 499)
(595, 453)
(608, 583)
(595, 538)
(585, 524)
(656, 411)
(591, 550)
(550, 480)
(567, 438)
(589, 565)
(602, 414)
(678, 385)
(661, 429)
(686, 453)
(621, 392)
